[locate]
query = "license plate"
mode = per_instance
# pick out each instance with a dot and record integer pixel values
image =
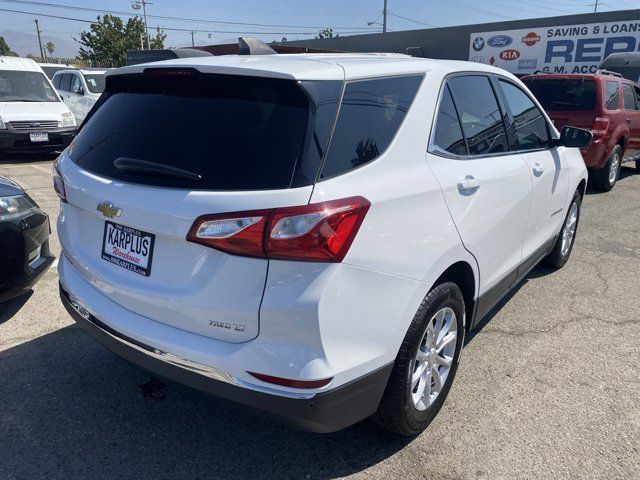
(39, 137)
(128, 248)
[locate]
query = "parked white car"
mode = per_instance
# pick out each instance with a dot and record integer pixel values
(317, 233)
(79, 89)
(32, 116)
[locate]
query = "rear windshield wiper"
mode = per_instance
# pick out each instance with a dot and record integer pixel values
(143, 167)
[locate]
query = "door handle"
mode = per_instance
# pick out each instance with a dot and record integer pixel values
(469, 185)
(538, 169)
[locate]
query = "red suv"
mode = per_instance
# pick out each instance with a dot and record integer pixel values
(606, 104)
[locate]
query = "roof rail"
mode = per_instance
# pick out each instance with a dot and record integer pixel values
(608, 72)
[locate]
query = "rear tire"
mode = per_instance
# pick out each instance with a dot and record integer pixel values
(606, 178)
(564, 244)
(638, 165)
(430, 355)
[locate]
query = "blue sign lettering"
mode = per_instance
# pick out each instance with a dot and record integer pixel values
(559, 48)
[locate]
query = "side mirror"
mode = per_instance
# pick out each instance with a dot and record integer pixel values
(573, 137)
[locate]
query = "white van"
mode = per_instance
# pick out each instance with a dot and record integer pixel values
(33, 118)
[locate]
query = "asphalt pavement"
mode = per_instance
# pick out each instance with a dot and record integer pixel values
(548, 388)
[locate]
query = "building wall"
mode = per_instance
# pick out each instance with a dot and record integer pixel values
(452, 42)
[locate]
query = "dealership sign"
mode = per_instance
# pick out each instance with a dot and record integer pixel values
(562, 49)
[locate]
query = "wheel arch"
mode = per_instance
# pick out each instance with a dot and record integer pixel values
(582, 187)
(462, 274)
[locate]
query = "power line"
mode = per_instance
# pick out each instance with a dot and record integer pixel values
(173, 29)
(412, 20)
(164, 17)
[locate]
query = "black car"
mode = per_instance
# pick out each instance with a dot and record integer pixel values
(24, 241)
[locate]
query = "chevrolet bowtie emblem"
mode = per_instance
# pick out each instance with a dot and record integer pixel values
(108, 210)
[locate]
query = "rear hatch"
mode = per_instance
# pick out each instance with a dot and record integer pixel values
(160, 150)
(568, 100)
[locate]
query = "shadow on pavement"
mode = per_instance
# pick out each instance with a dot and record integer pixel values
(72, 409)
(537, 272)
(9, 308)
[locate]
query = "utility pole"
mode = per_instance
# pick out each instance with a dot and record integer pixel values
(595, 9)
(40, 40)
(142, 41)
(384, 17)
(146, 25)
(193, 42)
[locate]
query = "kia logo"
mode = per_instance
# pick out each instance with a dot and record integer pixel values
(500, 41)
(509, 55)
(531, 39)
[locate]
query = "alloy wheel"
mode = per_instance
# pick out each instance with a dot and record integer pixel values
(613, 168)
(569, 229)
(434, 358)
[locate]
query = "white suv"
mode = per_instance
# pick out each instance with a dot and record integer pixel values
(310, 235)
(79, 89)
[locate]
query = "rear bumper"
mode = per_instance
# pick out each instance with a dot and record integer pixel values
(596, 155)
(323, 412)
(12, 140)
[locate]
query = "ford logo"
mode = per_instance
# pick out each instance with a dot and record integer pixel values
(35, 125)
(500, 41)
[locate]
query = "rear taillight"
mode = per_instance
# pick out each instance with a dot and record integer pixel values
(320, 232)
(600, 126)
(58, 183)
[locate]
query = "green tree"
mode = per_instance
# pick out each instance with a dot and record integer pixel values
(5, 50)
(50, 47)
(109, 39)
(326, 33)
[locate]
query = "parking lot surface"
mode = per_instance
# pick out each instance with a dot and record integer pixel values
(548, 388)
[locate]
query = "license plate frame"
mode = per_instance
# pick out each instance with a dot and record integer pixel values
(39, 137)
(122, 255)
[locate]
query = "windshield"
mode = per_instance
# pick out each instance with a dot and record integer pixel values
(18, 86)
(95, 82)
(559, 94)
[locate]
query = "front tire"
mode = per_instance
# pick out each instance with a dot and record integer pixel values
(606, 178)
(426, 363)
(564, 244)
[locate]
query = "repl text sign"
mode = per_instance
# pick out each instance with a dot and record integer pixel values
(560, 49)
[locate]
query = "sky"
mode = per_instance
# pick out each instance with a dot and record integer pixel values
(293, 19)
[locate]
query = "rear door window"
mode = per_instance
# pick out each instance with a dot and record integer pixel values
(612, 95)
(531, 130)
(447, 135)
(628, 97)
(370, 115)
(479, 114)
(564, 95)
(236, 132)
(56, 81)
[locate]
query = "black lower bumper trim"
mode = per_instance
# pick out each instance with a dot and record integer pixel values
(325, 412)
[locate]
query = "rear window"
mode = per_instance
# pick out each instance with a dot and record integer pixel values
(370, 115)
(569, 95)
(236, 132)
(21, 86)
